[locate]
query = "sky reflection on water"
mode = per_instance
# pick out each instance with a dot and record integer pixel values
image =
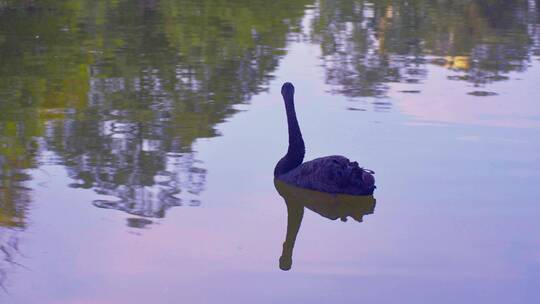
(143, 106)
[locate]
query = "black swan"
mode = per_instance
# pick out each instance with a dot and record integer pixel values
(332, 174)
(326, 205)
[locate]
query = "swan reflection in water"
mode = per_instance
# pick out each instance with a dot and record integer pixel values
(328, 205)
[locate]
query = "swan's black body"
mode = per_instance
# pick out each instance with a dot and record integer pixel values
(331, 174)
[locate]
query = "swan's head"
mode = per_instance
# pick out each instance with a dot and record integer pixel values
(287, 90)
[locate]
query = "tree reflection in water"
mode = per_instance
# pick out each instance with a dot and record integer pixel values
(368, 44)
(121, 91)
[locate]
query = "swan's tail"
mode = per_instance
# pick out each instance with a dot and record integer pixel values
(368, 179)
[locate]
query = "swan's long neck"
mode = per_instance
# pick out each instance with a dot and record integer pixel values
(296, 150)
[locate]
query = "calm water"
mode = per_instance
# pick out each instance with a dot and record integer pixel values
(138, 140)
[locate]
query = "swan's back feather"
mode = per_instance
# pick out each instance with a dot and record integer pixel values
(332, 174)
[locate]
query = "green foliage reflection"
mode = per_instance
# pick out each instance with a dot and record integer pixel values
(120, 90)
(368, 44)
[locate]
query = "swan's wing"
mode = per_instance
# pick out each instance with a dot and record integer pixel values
(332, 174)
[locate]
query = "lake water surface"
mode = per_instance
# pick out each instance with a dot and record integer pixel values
(138, 141)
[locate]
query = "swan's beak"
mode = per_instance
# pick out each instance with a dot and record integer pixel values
(287, 89)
